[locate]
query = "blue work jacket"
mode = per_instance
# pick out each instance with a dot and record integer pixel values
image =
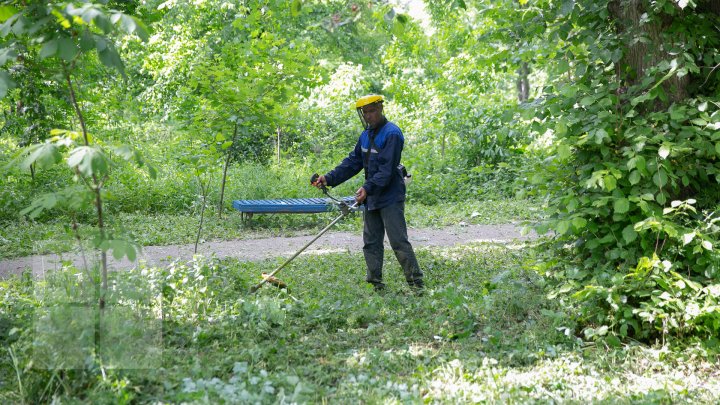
(383, 181)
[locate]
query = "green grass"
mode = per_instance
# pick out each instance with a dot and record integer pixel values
(25, 237)
(484, 331)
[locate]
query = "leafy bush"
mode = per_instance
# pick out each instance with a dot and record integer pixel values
(634, 180)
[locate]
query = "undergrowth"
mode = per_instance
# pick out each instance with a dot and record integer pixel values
(484, 331)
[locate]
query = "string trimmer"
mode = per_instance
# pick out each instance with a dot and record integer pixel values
(344, 211)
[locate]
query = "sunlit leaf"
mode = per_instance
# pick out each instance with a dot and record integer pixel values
(42, 155)
(688, 237)
(296, 8)
(7, 12)
(610, 182)
(664, 151)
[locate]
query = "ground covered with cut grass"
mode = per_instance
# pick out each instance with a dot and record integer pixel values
(484, 331)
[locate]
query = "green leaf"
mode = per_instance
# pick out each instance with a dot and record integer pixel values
(660, 178)
(567, 7)
(587, 101)
(89, 160)
(110, 58)
(6, 12)
(87, 42)
(622, 205)
(398, 28)
(613, 341)
(640, 163)
(579, 223)
(132, 25)
(610, 183)
(43, 155)
(49, 49)
(296, 8)
(103, 22)
(600, 136)
(629, 234)
(40, 204)
(661, 199)
(699, 122)
(561, 128)
(564, 151)
(226, 145)
(67, 49)
(6, 83)
(677, 113)
(634, 177)
(562, 227)
(7, 54)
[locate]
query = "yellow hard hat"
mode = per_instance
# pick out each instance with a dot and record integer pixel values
(365, 100)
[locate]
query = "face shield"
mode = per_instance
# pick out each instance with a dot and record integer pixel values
(362, 118)
(363, 102)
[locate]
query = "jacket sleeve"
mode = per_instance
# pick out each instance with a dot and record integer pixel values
(387, 160)
(349, 167)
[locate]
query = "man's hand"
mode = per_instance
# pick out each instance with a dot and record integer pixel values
(320, 182)
(360, 195)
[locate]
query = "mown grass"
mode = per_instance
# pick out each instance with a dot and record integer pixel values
(484, 331)
(25, 237)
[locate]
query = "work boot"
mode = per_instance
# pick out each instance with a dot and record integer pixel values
(418, 288)
(379, 288)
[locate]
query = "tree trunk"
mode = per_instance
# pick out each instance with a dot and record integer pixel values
(642, 55)
(523, 83)
(228, 158)
(278, 145)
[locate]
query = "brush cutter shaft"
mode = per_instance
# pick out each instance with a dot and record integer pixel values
(343, 214)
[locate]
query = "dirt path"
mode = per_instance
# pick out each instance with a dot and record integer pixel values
(259, 249)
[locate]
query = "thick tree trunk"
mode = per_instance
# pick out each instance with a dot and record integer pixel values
(641, 55)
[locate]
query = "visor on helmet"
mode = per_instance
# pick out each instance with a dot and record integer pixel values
(365, 101)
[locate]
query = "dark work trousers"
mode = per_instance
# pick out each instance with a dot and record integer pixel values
(390, 219)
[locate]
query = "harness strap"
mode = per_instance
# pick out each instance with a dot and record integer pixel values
(367, 155)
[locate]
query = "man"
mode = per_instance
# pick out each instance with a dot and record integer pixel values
(378, 151)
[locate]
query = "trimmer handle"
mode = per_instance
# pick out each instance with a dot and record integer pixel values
(314, 182)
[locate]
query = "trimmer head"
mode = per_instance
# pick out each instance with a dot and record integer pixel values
(274, 281)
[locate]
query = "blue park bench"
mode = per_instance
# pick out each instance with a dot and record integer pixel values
(290, 205)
